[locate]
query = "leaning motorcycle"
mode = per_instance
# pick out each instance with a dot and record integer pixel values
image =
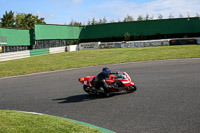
(121, 81)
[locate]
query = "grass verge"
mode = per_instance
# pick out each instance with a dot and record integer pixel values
(20, 122)
(86, 58)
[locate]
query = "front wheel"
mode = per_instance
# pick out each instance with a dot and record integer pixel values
(132, 88)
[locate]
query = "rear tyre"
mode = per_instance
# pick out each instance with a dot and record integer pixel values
(89, 90)
(132, 88)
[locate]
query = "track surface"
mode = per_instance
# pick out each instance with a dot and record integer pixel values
(167, 99)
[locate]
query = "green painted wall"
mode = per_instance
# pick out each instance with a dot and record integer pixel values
(57, 32)
(18, 37)
(39, 52)
(152, 27)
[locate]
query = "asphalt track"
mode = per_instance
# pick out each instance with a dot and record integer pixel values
(167, 99)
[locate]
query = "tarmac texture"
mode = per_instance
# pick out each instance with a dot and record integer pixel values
(167, 99)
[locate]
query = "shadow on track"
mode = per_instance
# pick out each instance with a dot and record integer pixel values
(78, 98)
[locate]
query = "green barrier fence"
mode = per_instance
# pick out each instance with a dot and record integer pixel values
(36, 52)
(17, 37)
(143, 28)
(50, 33)
(43, 32)
(134, 28)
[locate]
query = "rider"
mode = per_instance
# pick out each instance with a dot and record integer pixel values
(101, 79)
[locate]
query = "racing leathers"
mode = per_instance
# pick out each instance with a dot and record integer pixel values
(100, 81)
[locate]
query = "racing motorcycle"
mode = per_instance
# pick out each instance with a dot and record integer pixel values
(120, 81)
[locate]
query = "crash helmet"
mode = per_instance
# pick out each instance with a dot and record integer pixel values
(106, 71)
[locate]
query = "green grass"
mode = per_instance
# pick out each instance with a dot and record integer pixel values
(19, 122)
(86, 58)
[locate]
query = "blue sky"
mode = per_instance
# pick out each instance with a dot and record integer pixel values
(63, 11)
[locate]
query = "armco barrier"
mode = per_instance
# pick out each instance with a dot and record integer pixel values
(198, 40)
(90, 45)
(131, 44)
(14, 55)
(147, 43)
(72, 48)
(39, 52)
(110, 45)
(163, 42)
(84, 46)
(29, 53)
(57, 50)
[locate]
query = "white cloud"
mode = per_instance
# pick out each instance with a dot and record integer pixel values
(84, 10)
(120, 8)
(50, 15)
(77, 2)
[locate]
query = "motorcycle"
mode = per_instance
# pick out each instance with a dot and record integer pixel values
(120, 81)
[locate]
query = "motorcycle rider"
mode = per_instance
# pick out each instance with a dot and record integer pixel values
(101, 79)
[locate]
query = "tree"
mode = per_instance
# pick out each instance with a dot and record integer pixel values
(160, 16)
(100, 21)
(71, 23)
(140, 18)
(104, 20)
(8, 19)
(18, 20)
(128, 18)
(22, 20)
(147, 17)
(77, 24)
(74, 23)
(29, 21)
(151, 18)
(93, 21)
(127, 36)
(0, 22)
(180, 15)
(89, 23)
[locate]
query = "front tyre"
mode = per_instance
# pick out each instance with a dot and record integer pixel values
(132, 88)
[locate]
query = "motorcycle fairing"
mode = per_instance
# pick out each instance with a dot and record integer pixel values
(86, 80)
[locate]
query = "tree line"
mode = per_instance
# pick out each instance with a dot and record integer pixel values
(128, 18)
(27, 21)
(20, 20)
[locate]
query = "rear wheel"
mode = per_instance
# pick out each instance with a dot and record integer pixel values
(89, 90)
(132, 88)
